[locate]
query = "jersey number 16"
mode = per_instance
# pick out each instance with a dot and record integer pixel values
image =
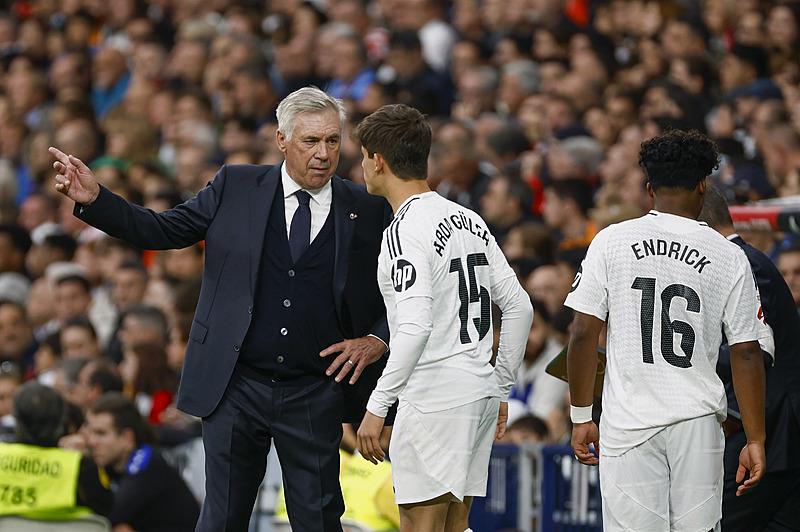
(668, 327)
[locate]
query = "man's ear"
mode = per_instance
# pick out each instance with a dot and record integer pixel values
(280, 140)
(650, 190)
(701, 187)
(380, 162)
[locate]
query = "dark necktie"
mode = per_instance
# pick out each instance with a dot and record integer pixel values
(300, 230)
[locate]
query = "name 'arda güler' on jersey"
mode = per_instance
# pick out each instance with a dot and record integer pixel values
(673, 250)
(460, 221)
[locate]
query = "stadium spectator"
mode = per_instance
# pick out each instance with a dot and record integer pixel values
(40, 415)
(566, 209)
(14, 246)
(17, 343)
(789, 266)
(47, 358)
(506, 205)
(78, 339)
(148, 380)
(149, 495)
(10, 381)
(457, 170)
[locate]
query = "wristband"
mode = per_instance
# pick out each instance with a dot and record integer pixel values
(580, 414)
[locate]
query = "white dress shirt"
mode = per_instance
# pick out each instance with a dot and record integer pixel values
(320, 203)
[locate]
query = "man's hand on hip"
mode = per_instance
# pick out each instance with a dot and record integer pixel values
(356, 354)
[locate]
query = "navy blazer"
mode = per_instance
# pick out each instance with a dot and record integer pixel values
(231, 215)
(783, 378)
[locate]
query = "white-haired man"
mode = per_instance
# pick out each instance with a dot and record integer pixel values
(289, 279)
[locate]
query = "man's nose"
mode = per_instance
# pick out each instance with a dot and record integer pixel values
(322, 151)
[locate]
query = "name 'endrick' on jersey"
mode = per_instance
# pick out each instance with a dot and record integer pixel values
(462, 222)
(673, 250)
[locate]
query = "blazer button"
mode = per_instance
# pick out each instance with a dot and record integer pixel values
(250, 310)
(279, 359)
(236, 347)
(287, 303)
(291, 273)
(284, 331)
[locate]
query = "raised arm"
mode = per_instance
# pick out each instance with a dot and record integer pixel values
(179, 227)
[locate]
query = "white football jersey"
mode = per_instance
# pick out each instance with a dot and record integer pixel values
(437, 249)
(667, 287)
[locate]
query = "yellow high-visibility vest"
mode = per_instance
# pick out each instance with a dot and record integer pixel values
(367, 492)
(39, 482)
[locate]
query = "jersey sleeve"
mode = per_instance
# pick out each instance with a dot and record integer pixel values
(408, 261)
(589, 293)
(743, 318)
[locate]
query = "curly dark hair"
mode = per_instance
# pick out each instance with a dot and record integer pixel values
(678, 159)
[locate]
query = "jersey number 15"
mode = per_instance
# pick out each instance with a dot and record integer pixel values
(472, 294)
(668, 327)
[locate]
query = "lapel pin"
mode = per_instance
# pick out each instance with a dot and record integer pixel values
(353, 216)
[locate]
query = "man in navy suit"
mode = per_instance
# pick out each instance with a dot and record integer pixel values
(289, 278)
(773, 504)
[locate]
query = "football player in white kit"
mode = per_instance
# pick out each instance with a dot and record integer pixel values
(439, 271)
(668, 287)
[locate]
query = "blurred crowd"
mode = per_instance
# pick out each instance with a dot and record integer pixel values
(538, 108)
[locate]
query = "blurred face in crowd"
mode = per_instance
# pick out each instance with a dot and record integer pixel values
(789, 266)
(749, 30)
(537, 338)
(312, 150)
(34, 211)
(8, 387)
(349, 61)
(78, 342)
(109, 447)
(15, 332)
(11, 259)
(71, 300)
(782, 27)
(128, 288)
(109, 66)
(135, 332)
(497, 205)
(548, 284)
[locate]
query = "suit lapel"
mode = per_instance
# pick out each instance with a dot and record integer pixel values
(260, 204)
(344, 214)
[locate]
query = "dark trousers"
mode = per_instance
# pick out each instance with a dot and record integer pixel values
(773, 505)
(304, 421)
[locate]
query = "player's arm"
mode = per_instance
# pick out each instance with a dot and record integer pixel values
(414, 316)
(744, 329)
(515, 326)
(581, 372)
(589, 299)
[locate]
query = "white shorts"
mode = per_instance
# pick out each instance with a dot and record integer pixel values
(671, 482)
(436, 453)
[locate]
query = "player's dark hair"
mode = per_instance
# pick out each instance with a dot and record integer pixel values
(678, 159)
(715, 209)
(402, 136)
(124, 415)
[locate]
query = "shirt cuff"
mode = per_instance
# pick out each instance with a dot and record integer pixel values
(376, 408)
(381, 339)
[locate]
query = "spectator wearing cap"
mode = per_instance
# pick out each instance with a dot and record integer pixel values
(14, 246)
(457, 168)
(17, 343)
(415, 83)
